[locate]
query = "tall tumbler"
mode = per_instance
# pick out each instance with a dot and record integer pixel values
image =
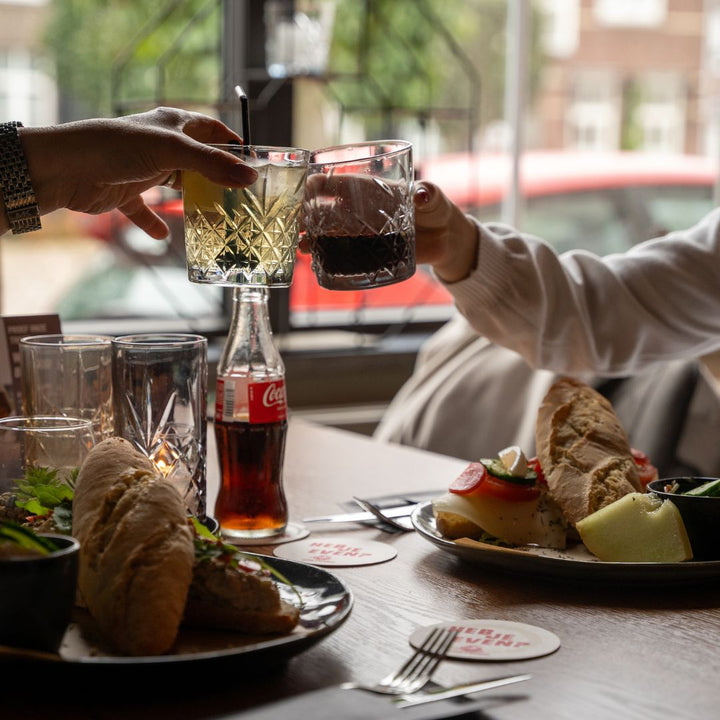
(160, 383)
(249, 235)
(358, 214)
(70, 376)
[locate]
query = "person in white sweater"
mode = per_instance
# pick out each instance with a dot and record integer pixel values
(576, 312)
(632, 324)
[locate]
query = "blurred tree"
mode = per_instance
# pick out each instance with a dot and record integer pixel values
(631, 134)
(122, 51)
(389, 58)
(423, 56)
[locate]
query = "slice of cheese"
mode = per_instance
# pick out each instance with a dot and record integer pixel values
(536, 522)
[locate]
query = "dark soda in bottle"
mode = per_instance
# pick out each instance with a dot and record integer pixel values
(251, 423)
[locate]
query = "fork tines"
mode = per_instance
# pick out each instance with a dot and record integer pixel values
(432, 650)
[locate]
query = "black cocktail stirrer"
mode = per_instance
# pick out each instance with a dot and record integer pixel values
(231, 256)
(245, 115)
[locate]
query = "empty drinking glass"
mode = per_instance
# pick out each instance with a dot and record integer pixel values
(160, 383)
(69, 375)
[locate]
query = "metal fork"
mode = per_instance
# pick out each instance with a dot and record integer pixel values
(418, 670)
(397, 523)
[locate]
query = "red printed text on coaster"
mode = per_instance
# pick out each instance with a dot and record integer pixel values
(337, 552)
(494, 640)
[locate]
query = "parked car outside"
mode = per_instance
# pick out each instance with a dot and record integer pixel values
(600, 202)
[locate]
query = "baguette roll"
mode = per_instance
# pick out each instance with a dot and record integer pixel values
(583, 450)
(136, 556)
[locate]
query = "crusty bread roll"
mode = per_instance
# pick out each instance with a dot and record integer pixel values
(583, 450)
(453, 526)
(136, 549)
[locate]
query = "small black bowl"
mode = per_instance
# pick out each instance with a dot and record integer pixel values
(701, 515)
(37, 596)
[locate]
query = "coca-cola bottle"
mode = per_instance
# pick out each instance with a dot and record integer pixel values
(251, 423)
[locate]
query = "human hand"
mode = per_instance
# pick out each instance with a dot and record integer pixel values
(97, 165)
(348, 204)
(445, 237)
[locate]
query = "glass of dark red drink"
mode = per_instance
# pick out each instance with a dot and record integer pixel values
(358, 214)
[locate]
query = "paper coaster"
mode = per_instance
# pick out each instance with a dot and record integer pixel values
(494, 640)
(293, 531)
(337, 552)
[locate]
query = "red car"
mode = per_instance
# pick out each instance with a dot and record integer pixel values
(603, 202)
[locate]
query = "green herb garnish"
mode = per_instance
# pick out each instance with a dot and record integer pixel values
(492, 540)
(41, 492)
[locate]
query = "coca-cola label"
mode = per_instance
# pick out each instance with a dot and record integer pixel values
(241, 400)
(267, 402)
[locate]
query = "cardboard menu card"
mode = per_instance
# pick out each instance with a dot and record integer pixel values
(13, 328)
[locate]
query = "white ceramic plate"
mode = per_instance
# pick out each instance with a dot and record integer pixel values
(574, 563)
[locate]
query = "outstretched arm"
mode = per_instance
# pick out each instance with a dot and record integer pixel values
(97, 165)
(577, 312)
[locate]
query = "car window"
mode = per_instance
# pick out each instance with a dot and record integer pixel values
(590, 221)
(587, 220)
(677, 208)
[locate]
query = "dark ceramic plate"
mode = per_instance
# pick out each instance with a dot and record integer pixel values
(575, 563)
(327, 602)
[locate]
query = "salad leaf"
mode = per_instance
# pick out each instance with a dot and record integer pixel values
(62, 516)
(41, 490)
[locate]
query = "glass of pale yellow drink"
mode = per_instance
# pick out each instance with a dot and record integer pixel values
(246, 236)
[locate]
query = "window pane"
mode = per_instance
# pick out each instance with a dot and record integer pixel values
(605, 79)
(678, 208)
(588, 220)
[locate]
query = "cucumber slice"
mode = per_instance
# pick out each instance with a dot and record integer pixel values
(25, 538)
(495, 467)
(708, 489)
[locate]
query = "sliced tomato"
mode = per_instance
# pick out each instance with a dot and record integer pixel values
(534, 464)
(647, 472)
(469, 479)
(475, 479)
(510, 491)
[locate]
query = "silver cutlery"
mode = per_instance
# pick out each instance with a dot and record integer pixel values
(364, 515)
(402, 523)
(421, 698)
(417, 671)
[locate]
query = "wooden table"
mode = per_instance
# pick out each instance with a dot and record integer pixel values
(626, 652)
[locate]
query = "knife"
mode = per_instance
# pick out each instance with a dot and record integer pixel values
(364, 516)
(422, 698)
